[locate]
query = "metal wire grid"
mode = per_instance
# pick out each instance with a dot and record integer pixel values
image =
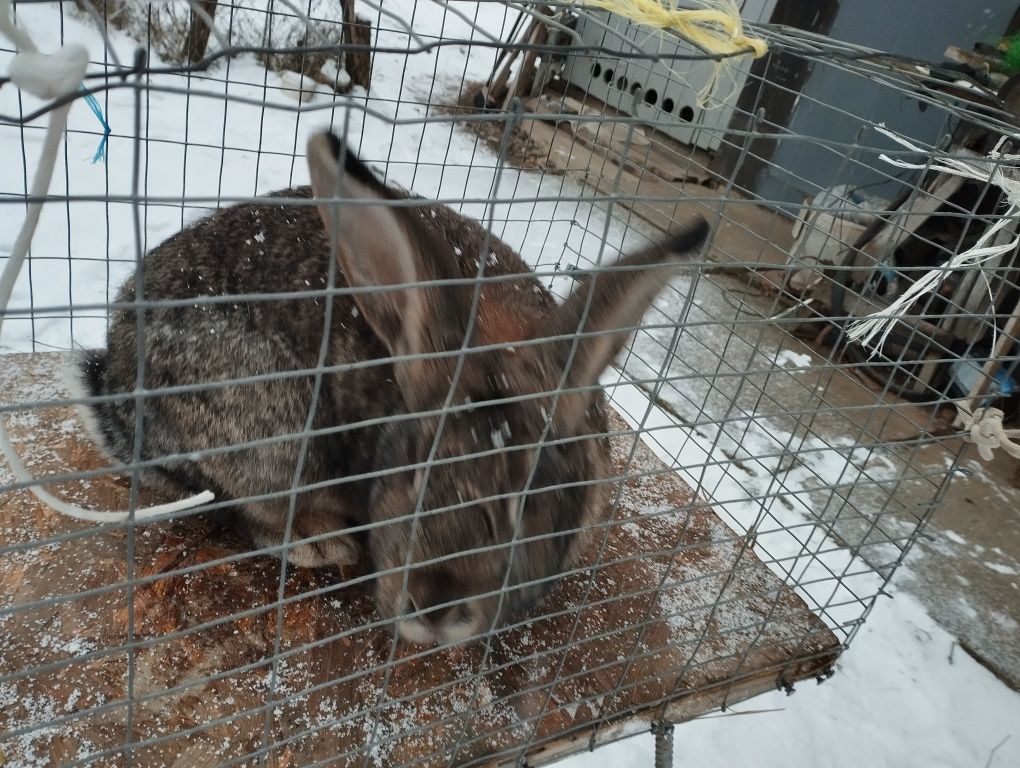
(874, 515)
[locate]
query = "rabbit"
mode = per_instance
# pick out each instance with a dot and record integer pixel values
(382, 366)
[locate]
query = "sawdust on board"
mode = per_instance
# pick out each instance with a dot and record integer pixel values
(607, 645)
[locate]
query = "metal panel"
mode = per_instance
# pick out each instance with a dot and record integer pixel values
(669, 88)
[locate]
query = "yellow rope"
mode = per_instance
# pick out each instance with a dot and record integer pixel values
(716, 29)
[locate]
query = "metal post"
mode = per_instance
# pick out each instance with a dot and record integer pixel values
(663, 743)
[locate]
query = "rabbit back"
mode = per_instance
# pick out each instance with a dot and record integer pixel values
(258, 248)
(271, 248)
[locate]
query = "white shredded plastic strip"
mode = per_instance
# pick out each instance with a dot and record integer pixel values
(984, 426)
(880, 324)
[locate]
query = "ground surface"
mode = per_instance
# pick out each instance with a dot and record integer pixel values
(905, 693)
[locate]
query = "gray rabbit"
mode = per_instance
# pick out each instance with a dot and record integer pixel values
(366, 463)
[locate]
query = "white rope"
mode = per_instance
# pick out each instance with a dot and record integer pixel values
(14, 34)
(985, 430)
(881, 323)
(48, 76)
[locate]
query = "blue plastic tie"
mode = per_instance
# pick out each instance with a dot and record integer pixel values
(98, 112)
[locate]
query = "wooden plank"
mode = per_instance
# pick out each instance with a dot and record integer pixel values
(1006, 339)
(662, 183)
(680, 711)
(205, 630)
(908, 219)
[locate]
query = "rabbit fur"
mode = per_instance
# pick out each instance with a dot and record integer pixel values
(475, 530)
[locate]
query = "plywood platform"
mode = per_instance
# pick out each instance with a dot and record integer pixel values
(614, 649)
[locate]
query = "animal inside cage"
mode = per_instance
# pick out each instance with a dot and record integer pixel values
(526, 465)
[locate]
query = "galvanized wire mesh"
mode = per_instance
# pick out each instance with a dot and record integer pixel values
(806, 473)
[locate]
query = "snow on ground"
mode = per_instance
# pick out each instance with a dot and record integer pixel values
(896, 700)
(904, 694)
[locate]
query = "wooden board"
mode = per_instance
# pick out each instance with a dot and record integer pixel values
(611, 652)
(663, 182)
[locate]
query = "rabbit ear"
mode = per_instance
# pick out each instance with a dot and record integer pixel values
(610, 305)
(379, 245)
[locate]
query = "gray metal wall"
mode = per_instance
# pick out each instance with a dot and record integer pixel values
(918, 28)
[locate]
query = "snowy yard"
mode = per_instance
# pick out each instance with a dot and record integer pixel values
(904, 694)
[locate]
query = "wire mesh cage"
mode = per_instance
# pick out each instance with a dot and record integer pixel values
(463, 506)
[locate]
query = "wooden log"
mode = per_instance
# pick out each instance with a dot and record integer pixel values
(497, 91)
(1005, 341)
(357, 31)
(975, 60)
(536, 33)
(198, 33)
